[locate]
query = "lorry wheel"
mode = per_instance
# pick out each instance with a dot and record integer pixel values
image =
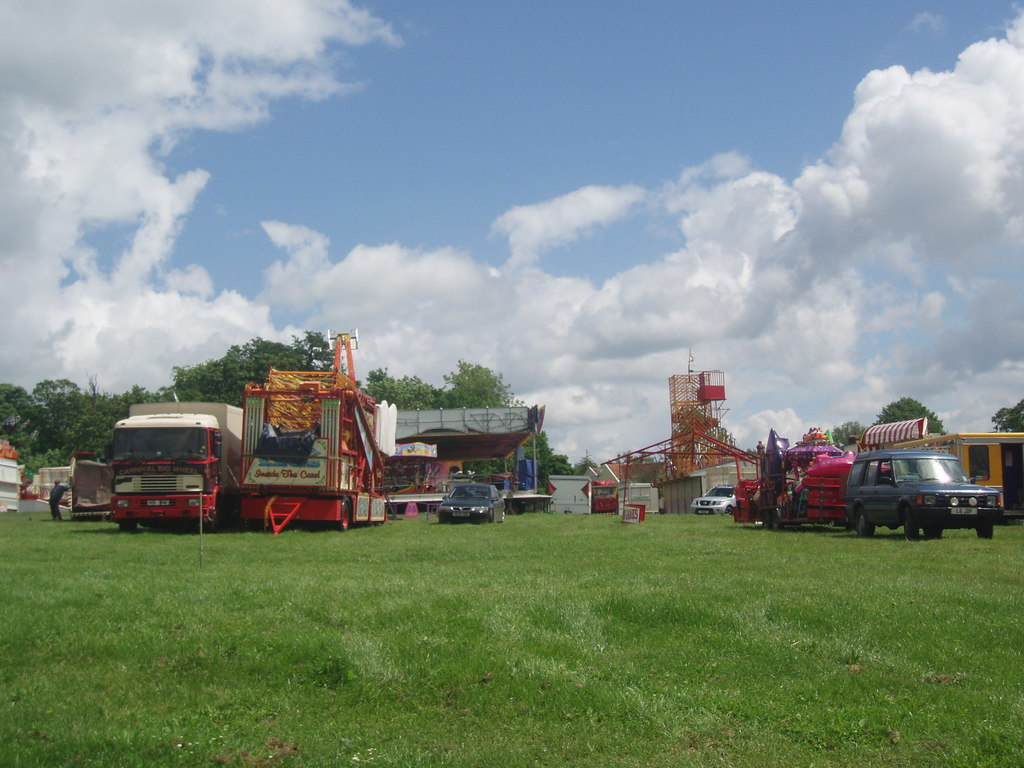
(984, 530)
(130, 526)
(863, 526)
(911, 527)
(346, 519)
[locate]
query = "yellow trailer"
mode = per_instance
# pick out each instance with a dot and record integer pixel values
(990, 458)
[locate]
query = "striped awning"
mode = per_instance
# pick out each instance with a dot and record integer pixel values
(882, 435)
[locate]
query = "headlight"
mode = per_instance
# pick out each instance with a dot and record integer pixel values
(974, 501)
(193, 502)
(954, 501)
(123, 502)
(929, 499)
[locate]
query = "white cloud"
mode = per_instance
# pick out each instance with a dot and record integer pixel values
(930, 22)
(532, 229)
(92, 97)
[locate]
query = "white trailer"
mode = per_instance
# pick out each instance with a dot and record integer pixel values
(10, 484)
(570, 494)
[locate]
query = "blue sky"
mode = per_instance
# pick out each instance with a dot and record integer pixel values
(822, 200)
(485, 106)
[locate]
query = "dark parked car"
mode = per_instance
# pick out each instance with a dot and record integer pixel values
(478, 502)
(923, 491)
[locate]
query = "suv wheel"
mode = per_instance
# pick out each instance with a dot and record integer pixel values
(911, 526)
(984, 530)
(862, 525)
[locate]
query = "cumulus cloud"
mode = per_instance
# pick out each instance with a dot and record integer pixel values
(926, 21)
(93, 96)
(532, 229)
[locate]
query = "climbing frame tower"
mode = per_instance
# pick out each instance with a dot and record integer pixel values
(696, 401)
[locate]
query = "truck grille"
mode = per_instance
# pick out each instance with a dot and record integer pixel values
(154, 484)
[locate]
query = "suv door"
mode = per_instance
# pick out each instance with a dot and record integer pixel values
(876, 492)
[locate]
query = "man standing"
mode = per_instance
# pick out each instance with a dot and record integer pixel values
(55, 496)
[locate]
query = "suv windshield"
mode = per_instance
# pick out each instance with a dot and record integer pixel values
(929, 470)
(164, 443)
(722, 490)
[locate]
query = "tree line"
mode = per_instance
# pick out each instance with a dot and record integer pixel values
(57, 417)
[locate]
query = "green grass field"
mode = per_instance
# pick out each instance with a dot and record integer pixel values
(546, 641)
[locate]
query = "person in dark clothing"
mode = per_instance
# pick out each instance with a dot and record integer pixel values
(55, 496)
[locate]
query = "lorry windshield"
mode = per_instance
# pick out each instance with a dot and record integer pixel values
(174, 444)
(605, 490)
(929, 471)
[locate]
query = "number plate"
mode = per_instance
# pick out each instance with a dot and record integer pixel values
(461, 513)
(961, 511)
(158, 502)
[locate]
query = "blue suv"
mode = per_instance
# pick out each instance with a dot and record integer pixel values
(926, 492)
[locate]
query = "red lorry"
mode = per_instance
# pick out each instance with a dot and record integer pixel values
(173, 462)
(311, 449)
(802, 484)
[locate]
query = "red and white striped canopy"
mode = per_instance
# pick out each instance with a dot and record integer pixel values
(894, 432)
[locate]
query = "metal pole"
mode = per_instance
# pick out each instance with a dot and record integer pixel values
(200, 528)
(199, 490)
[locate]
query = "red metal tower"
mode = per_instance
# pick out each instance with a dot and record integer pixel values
(696, 405)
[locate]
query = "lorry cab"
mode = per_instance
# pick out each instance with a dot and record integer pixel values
(176, 462)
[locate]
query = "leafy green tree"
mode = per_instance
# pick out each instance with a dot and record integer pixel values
(56, 414)
(907, 408)
(468, 386)
(15, 426)
(548, 462)
(1010, 419)
(846, 433)
(59, 419)
(316, 352)
(223, 380)
(475, 386)
(585, 463)
(408, 392)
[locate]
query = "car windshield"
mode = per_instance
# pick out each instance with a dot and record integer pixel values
(720, 491)
(471, 492)
(930, 470)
